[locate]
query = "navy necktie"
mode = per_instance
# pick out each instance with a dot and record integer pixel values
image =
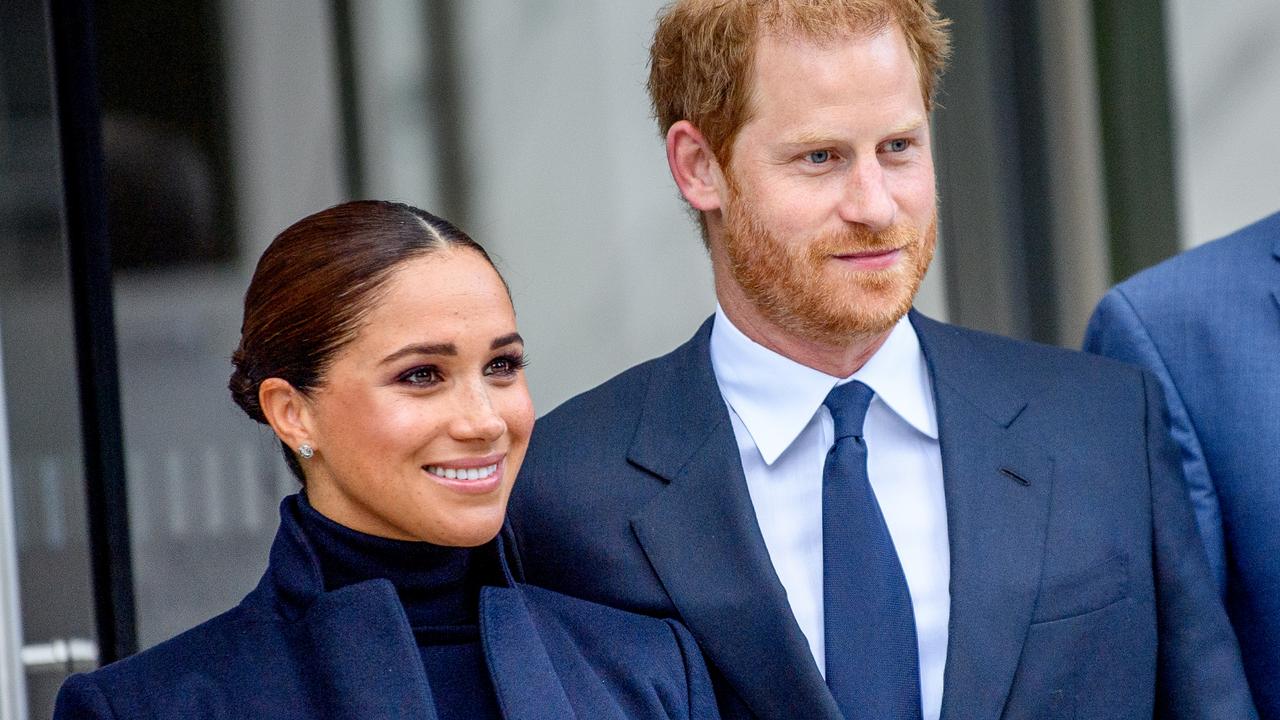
(872, 661)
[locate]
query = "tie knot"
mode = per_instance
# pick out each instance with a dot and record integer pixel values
(848, 405)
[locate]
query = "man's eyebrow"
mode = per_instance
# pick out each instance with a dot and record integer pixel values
(811, 138)
(814, 137)
(509, 339)
(909, 126)
(421, 349)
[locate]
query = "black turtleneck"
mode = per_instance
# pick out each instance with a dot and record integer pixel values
(439, 588)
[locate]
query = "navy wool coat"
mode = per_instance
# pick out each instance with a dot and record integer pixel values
(293, 650)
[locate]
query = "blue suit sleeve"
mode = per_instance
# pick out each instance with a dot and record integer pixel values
(79, 698)
(1117, 331)
(702, 699)
(1199, 674)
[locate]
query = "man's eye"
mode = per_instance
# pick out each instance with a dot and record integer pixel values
(896, 146)
(818, 157)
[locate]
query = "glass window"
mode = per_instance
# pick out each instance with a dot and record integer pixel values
(42, 468)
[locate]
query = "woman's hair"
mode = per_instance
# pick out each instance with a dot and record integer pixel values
(313, 287)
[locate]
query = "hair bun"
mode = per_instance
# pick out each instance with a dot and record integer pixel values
(244, 388)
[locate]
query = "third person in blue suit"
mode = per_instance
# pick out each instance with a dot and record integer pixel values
(860, 512)
(1207, 323)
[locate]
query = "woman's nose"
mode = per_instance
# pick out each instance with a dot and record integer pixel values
(477, 417)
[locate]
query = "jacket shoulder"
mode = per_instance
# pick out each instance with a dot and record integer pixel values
(185, 674)
(1212, 267)
(605, 417)
(1034, 364)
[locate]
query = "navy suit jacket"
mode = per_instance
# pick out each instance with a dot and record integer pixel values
(292, 650)
(1207, 323)
(1079, 588)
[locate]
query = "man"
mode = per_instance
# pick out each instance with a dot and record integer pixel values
(1207, 323)
(861, 512)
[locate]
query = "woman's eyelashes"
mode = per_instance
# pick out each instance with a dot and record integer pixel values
(421, 376)
(507, 365)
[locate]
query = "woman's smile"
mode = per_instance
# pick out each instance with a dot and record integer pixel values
(475, 476)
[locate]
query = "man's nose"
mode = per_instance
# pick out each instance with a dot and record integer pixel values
(866, 199)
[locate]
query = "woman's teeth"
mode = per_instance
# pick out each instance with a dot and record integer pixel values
(479, 473)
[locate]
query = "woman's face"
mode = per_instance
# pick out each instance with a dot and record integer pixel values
(421, 422)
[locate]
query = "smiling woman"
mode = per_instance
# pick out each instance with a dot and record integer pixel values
(379, 343)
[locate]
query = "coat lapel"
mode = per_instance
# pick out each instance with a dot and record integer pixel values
(356, 643)
(525, 681)
(368, 661)
(701, 536)
(998, 485)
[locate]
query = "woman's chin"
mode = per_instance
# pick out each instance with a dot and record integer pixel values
(466, 527)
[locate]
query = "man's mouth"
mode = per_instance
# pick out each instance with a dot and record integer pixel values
(877, 259)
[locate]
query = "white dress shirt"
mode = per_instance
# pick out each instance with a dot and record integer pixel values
(784, 433)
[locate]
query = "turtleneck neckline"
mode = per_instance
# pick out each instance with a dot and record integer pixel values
(438, 586)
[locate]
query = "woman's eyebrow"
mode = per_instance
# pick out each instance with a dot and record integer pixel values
(421, 349)
(508, 339)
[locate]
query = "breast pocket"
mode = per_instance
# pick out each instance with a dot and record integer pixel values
(1078, 592)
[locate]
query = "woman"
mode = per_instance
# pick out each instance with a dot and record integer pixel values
(380, 345)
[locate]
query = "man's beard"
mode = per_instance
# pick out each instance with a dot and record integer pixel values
(798, 286)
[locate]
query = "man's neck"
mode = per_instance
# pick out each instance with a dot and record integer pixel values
(840, 360)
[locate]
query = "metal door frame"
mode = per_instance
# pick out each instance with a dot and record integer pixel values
(13, 678)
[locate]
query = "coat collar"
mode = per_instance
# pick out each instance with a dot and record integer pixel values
(294, 579)
(360, 637)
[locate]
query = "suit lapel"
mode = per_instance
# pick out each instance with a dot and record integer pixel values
(998, 484)
(701, 536)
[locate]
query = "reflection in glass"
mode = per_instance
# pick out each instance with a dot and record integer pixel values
(39, 370)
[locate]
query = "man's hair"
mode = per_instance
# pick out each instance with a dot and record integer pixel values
(703, 52)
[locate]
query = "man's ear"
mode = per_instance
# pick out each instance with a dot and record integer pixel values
(694, 167)
(287, 412)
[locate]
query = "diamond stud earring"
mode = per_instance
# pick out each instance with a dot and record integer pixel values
(306, 451)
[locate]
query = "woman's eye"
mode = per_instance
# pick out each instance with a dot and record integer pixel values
(897, 146)
(819, 157)
(506, 365)
(422, 376)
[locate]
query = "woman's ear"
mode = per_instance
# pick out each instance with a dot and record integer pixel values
(287, 411)
(694, 167)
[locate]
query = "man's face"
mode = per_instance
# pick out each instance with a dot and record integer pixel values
(830, 216)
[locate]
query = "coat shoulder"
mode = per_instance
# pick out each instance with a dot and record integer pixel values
(190, 670)
(618, 643)
(630, 632)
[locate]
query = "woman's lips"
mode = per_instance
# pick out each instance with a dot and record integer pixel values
(873, 260)
(469, 475)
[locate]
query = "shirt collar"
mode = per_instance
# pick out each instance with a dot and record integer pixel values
(775, 397)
